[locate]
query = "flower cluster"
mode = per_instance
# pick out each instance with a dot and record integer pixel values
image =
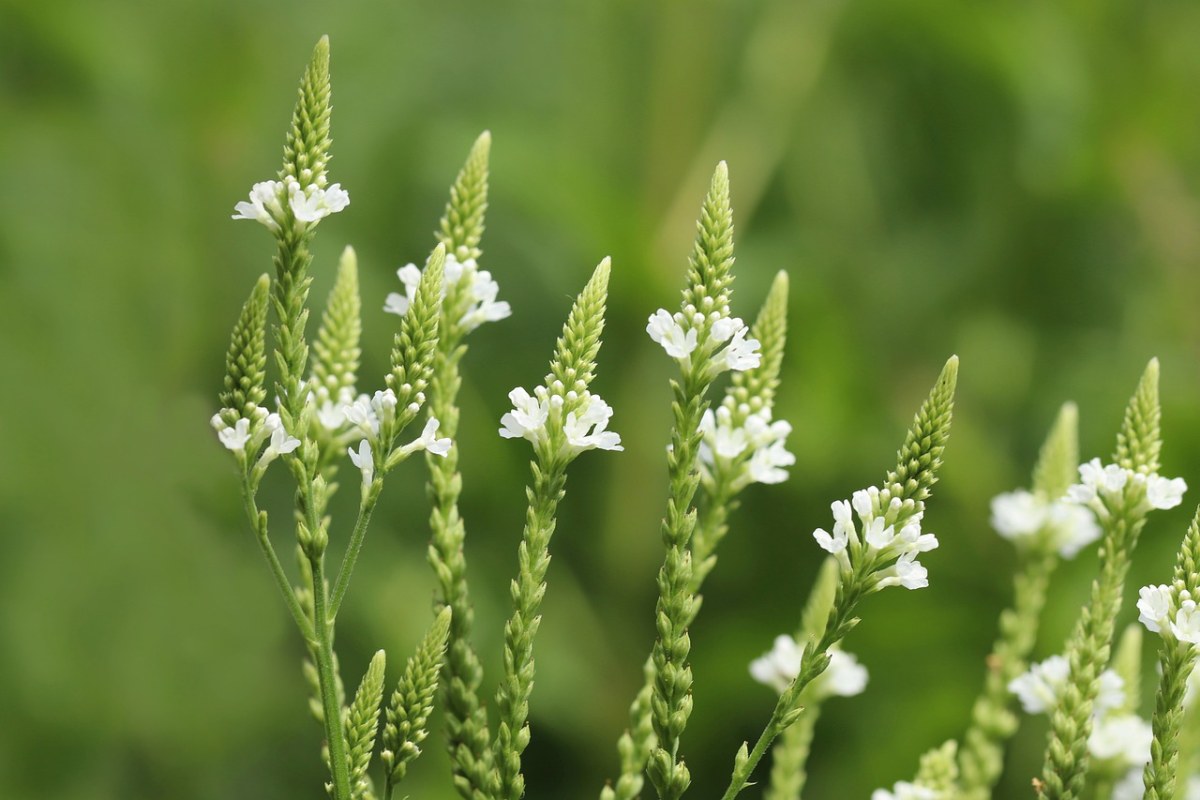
(1101, 483)
(844, 676)
(1116, 734)
(1160, 608)
(903, 790)
(308, 204)
(477, 284)
(747, 446)
(1027, 518)
(891, 532)
(247, 434)
(582, 419)
(682, 333)
(1132, 787)
(368, 416)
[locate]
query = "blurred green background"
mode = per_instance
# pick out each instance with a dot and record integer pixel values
(1016, 183)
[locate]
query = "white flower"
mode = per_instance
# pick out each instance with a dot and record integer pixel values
(234, 438)
(844, 676)
(750, 452)
(1154, 606)
(1124, 736)
(527, 419)
(312, 203)
(668, 332)
(263, 205)
(281, 443)
(780, 666)
(364, 460)
(903, 790)
(1186, 625)
(1130, 787)
(1038, 687)
(586, 430)
(1193, 789)
(428, 440)
(766, 463)
(911, 573)
(741, 353)
(480, 288)
(880, 537)
(1111, 692)
(1164, 492)
(1021, 516)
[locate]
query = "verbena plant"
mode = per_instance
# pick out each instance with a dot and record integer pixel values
(319, 416)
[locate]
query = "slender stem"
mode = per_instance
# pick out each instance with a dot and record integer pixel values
(813, 662)
(258, 520)
(365, 507)
(339, 768)
(788, 758)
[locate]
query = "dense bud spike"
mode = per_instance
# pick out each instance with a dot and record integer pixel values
(306, 149)
(574, 360)
(246, 361)
(336, 349)
(461, 226)
(920, 456)
(1140, 439)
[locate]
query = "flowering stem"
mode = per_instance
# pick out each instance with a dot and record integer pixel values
(258, 519)
(1066, 764)
(516, 684)
(365, 507)
(292, 259)
(466, 722)
(851, 590)
(789, 755)
(981, 758)
(323, 652)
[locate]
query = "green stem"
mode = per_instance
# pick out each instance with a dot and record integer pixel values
(365, 507)
(789, 755)
(516, 684)
(813, 662)
(258, 520)
(993, 722)
(338, 766)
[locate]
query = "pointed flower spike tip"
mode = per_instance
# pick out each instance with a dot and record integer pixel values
(1140, 441)
(710, 268)
(574, 361)
(1058, 460)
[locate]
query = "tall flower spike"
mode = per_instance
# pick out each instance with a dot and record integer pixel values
(920, 457)
(710, 268)
(574, 363)
(306, 149)
(415, 345)
(757, 386)
(1121, 494)
(336, 350)
(246, 360)
(362, 721)
(412, 703)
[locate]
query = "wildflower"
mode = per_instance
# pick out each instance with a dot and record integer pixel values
(528, 418)
(668, 331)
(1099, 483)
(479, 287)
(750, 452)
(364, 460)
(1024, 517)
(1039, 687)
(1157, 610)
(844, 676)
(903, 790)
(233, 437)
(586, 430)
(281, 442)
(1121, 736)
(428, 440)
(680, 333)
(263, 206)
(879, 534)
(1154, 607)
(311, 203)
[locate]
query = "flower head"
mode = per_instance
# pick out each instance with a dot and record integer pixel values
(1101, 484)
(680, 335)
(364, 459)
(887, 529)
(744, 447)
(903, 790)
(311, 204)
(1024, 517)
(844, 676)
(1121, 736)
(464, 276)
(263, 206)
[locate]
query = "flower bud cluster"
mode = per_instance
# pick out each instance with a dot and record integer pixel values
(903, 790)
(721, 338)
(466, 277)
(1165, 608)
(1117, 735)
(1103, 486)
(369, 416)
(270, 202)
(1031, 520)
(844, 676)
(887, 529)
(746, 446)
(244, 435)
(580, 416)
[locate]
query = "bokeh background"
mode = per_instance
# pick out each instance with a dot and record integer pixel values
(1017, 183)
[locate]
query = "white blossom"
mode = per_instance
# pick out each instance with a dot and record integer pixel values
(1038, 687)
(903, 790)
(364, 460)
(843, 677)
(311, 203)
(1154, 607)
(1186, 625)
(480, 288)
(281, 442)
(586, 430)
(751, 452)
(880, 537)
(1164, 493)
(233, 437)
(1021, 516)
(263, 205)
(1098, 482)
(1123, 736)
(668, 331)
(742, 353)
(1130, 787)
(527, 419)
(428, 440)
